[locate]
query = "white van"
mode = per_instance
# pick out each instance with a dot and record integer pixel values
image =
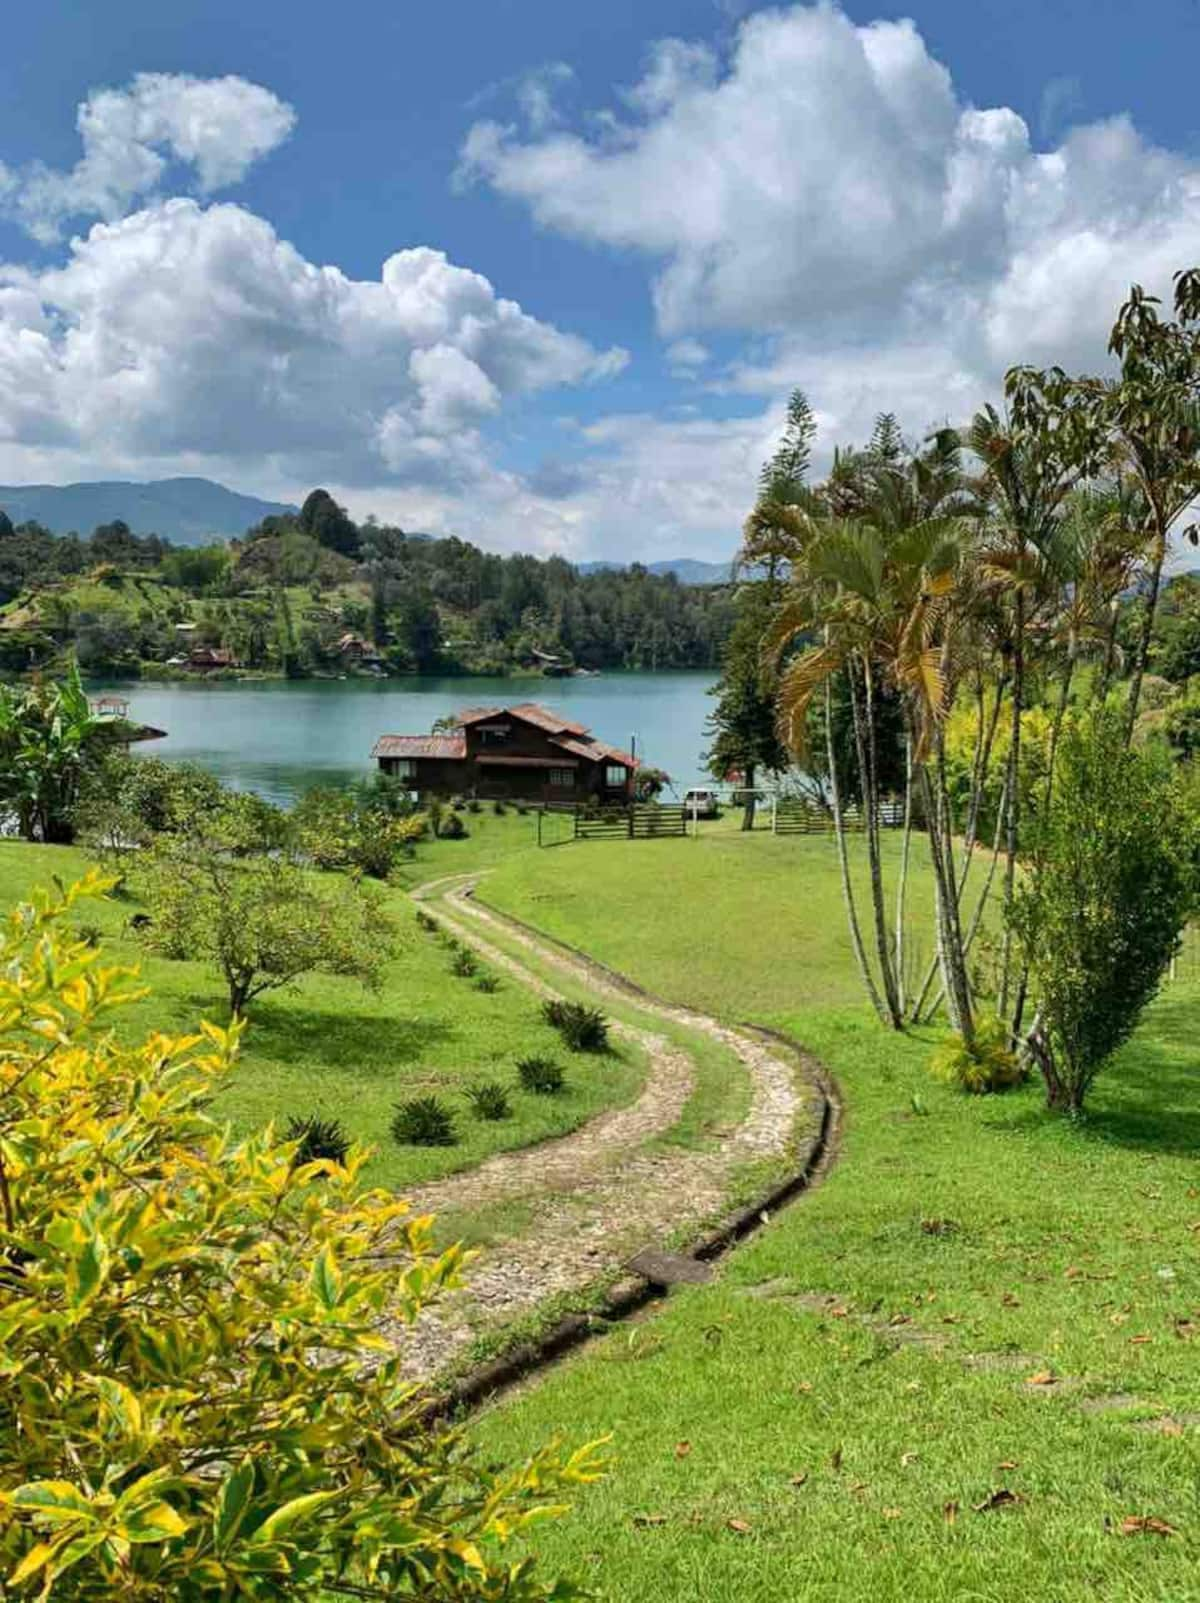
(699, 802)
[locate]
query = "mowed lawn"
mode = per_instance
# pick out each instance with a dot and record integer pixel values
(333, 1048)
(1008, 1366)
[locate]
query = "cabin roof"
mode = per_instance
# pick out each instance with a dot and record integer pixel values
(447, 746)
(532, 712)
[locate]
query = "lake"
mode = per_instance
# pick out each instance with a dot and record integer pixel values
(279, 737)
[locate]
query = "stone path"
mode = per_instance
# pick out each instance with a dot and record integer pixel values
(609, 1188)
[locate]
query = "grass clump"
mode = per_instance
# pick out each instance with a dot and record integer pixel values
(488, 983)
(463, 964)
(318, 1138)
(541, 1075)
(583, 1028)
(988, 1065)
(489, 1100)
(424, 1121)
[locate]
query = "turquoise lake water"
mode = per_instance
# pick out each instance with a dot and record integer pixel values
(280, 737)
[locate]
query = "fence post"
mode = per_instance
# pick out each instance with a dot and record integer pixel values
(775, 814)
(631, 820)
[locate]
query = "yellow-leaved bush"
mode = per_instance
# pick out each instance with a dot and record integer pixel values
(196, 1401)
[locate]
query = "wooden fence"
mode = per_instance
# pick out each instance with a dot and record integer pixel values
(797, 816)
(642, 821)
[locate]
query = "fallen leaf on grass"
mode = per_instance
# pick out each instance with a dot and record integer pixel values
(1185, 1329)
(839, 1313)
(1042, 1377)
(950, 1511)
(804, 1385)
(1140, 1341)
(1009, 1463)
(642, 1520)
(799, 1480)
(682, 1449)
(1000, 1498)
(908, 1458)
(859, 1487)
(835, 1461)
(740, 1526)
(900, 1319)
(893, 1513)
(1010, 1300)
(1146, 1525)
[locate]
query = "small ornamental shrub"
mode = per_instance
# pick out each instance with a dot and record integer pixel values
(425, 922)
(463, 964)
(318, 1138)
(90, 934)
(424, 1121)
(542, 1075)
(186, 1412)
(499, 809)
(489, 1100)
(584, 1029)
(487, 983)
(452, 828)
(474, 805)
(990, 1065)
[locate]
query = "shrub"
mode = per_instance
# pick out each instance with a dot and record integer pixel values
(584, 1029)
(542, 1075)
(426, 922)
(452, 828)
(318, 1138)
(424, 1121)
(489, 1100)
(1110, 884)
(989, 1065)
(186, 1409)
(487, 983)
(474, 805)
(499, 809)
(463, 964)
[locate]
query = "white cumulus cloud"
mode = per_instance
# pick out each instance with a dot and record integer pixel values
(194, 332)
(217, 126)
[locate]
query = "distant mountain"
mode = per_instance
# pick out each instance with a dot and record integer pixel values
(688, 570)
(187, 511)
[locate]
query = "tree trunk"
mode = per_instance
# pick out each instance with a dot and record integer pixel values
(976, 918)
(748, 813)
(1014, 794)
(1142, 655)
(1100, 693)
(864, 742)
(839, 831)
(902, 886)
(951, 958)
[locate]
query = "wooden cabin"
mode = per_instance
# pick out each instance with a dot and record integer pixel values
(522, 753)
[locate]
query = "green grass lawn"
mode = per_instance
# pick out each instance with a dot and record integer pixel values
(334, 1048)
(967, 1244)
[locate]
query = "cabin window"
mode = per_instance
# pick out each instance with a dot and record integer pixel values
(404, 767)
(614, 776)
(563, 777)
(494, 735)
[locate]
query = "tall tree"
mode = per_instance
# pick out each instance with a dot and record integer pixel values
(329, 524)
(742, 726)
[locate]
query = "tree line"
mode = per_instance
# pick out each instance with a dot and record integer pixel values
(973, 621)
(284, 597)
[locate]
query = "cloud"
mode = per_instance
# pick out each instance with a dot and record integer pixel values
(825, 185)
(1062, 100)
(685, 355)
(219, 127)
(193, 332)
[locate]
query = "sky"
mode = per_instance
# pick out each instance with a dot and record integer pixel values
(542, 273)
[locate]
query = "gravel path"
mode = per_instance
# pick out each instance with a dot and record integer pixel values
(609, 1188)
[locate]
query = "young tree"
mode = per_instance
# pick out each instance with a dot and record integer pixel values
(260, 920)
(183, 1325)
(742, 725)
(48, 738)
(1106, 893)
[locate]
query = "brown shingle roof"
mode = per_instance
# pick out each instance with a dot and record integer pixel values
(532, 712)
(473, 715)
(448, 746)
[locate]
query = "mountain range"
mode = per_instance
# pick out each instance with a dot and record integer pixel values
(192, 511)
(185, 511)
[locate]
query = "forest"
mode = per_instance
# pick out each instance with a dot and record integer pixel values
(316, 593)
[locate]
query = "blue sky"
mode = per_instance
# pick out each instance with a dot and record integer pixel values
(694, 205)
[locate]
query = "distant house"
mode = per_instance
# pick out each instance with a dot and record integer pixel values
(522, 753)
(205, 658)
(353, 648)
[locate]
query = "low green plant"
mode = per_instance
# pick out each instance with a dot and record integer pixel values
(474, 805)
(988, 1065)
(429, 924)
(499, 808)
(452, 828)
(541, 1075)
(463, 964)
(318, 1138)
(489, 1100)
(583, 1028)
(487, 983)
(424, 1121)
